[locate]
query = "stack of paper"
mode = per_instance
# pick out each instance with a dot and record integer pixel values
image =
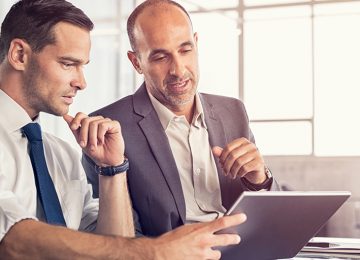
(348, 248)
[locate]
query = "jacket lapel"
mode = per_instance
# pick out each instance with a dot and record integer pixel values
(217, 137)
(159, 145)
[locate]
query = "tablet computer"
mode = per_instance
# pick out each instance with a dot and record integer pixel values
(279, 223)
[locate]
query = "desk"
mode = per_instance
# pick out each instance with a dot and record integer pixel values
(338, 248)
(320, 248)
(308, 256)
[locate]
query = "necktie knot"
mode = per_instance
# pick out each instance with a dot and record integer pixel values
(32, 132)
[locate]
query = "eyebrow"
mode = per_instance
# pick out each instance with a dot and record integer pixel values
(188, 43)
(74, 60)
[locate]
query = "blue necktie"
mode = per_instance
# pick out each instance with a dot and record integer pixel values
(44, 185)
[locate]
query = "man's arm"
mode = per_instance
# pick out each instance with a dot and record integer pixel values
(101, 139)
(241, 158)
(115, 219)
(30, 239)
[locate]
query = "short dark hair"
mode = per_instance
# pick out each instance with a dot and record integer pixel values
(139, 9)
(33, 21)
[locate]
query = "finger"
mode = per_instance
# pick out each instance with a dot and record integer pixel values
(231, 146)
(235, 155)
(217, 151)
(227, 221)
(93, 132)
(225, 239)
(105, 126)
(68, 119)
(252, 166)
(213, 254)
(84, 131)
(76, 122)
(237, 167)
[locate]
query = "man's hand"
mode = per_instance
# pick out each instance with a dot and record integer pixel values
(241, 158)
(196, 241)
(100, 138)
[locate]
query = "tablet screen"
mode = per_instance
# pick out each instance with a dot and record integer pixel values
(279, 223)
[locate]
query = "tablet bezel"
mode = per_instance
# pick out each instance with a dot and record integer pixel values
(309, 210)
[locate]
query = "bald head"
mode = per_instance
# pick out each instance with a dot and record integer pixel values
(151, 8)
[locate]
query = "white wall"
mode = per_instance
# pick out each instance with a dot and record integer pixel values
(324, 173)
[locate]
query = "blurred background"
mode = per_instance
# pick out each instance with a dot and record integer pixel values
(295, 64)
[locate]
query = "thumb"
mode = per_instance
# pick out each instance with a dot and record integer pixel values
(68, 119)
(217, 151)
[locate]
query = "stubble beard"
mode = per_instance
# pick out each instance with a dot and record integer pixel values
(34, 92)
(178, 100)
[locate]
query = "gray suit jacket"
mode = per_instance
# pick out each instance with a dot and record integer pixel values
(153, 178)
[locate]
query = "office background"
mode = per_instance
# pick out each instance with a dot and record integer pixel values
(295, 64)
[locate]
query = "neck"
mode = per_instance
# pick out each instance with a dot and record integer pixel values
(186, 110)
(12, 84)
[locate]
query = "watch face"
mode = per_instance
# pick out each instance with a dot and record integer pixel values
(268, 173)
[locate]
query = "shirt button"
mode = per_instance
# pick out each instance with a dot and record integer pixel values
(197, 171)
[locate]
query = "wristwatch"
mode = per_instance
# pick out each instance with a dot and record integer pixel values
(262, 186)
(112, 170)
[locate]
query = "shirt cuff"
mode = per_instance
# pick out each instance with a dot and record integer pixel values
(11, 212)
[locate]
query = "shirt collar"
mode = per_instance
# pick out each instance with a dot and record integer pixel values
(199, 117)
(166, 115)
(12, 116)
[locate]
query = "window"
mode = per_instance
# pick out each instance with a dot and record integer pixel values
(218, 61)
(294, 63)
(301, 81)
(337, 81)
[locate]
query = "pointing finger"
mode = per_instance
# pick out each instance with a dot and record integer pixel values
(68, 119)
(228, 221)
(217, 151)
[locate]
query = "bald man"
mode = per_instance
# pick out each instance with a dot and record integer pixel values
(44, 195)
(191, 154)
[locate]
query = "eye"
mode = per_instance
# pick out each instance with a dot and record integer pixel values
(66, 65)
(184, 51)
(159, 58)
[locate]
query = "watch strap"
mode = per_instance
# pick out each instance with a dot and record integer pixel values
(112, 170)
(262, 186)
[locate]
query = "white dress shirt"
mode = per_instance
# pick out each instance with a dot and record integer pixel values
(194, 160)
(18, 195)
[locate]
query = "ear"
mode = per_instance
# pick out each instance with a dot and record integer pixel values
(135, 61)
(18, 54)
(196, 38)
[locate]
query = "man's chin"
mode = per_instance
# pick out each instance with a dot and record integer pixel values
(184, 100)
(58, 112)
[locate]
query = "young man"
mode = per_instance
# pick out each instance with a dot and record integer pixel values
(44, 196)
(191, 154)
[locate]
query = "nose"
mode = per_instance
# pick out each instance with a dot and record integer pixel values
(177, 67)
(79, 80)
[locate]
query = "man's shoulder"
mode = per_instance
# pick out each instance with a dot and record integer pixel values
(221, 101)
